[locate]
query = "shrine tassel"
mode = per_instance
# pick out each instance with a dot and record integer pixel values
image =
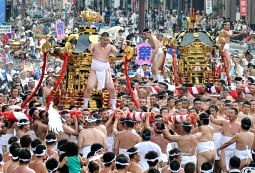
(130, 90)
(39, 83)
(57, 83)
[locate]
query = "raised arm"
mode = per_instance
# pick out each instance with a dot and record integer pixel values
(217, 121)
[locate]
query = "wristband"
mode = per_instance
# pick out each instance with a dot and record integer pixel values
(198, 123)
(121, 50)
(171, 131)
(163, 126)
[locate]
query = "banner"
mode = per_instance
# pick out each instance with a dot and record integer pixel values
(60, 29)
(144, 52)
(2, 11)
(208, 6)
(5, 29)
(243, 8)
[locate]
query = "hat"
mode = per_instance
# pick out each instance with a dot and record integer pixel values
(23, 71)
(50, 70)
(30, 80)
(9, 62)
(6, 46)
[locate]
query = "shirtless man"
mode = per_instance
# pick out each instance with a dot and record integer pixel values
(244, 142)
(246, 108)
(34, 113)
(38, 164)
(43, 130)
(24, 159)
(229, 128)
(47, 89)
(227, 34)
(100, 69)
(109, 162)
(127, 138)
(68, 130)
(89, 136)
(187, 143)
(99, 126)
(205, 145)
(217, 136)
(162, 142)
(107, 121)
(157, 56)
(24, 126)
(134, 157)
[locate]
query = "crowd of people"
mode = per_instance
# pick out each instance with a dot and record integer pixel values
(216, 135)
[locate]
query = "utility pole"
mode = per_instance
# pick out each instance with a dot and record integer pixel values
(141, 21)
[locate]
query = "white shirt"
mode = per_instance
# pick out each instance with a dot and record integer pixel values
(144, 147)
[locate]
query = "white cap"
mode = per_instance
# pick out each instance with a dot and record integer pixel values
(6, 46)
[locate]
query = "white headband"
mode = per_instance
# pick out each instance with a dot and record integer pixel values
(186, 125)
(206, 171)
(90, 120)
(100, 149)
(129, 120)
(61, 152)
(50, 171)
(23, 123)
(123, 164)
(130, 153)
(42, 154)
(109, 161)
(14, 158)
(51, 140)
(174, 154)
(97, 118)
(152, 160)
(24, 160)
(174, 170)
